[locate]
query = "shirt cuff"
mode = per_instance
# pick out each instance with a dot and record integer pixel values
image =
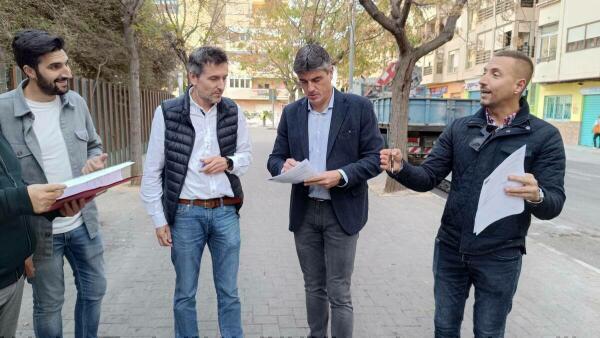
(159, 220)
(345, 178)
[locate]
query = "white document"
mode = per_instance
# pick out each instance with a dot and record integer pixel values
(494, 203)
(302, 171)
(95, 180)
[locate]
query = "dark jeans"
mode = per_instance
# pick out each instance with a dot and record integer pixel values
(326, 254)
(495, 277)
(596, 136)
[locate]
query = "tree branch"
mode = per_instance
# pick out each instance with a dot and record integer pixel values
(446, 34)
(378, 16)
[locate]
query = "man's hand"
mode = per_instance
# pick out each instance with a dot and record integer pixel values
(214, 165)
(390, 159)
(289, 164)
(163, 234)
(42, 196)
(327, 180)
(529, 191)
(95, 163)
(29, 268)
(73, 207)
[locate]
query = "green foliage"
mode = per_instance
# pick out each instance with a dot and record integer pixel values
(93, 31)
(282, 27)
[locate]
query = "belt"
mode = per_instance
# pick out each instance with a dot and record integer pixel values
(213, 202)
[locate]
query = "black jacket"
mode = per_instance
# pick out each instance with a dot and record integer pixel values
(463, 150)
(17, 241)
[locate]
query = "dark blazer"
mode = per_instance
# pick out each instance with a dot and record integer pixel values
(353, 146)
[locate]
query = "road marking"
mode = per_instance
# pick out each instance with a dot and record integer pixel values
(560, 253)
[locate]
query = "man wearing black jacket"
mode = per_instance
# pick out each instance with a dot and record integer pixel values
(18, 200)
(471, 148)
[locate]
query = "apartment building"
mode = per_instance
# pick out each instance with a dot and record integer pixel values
(566, 83)
(453, 70)
(255, 92)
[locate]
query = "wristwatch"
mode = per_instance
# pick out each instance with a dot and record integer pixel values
(229, 163)
(541, 193)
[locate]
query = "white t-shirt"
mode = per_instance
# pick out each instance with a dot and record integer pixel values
(55, 156)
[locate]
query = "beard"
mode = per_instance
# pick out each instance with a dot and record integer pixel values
(50, 87)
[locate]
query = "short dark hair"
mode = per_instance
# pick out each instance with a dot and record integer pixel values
(524, 59)
(311, 57)
(30, 44)
(205, 55)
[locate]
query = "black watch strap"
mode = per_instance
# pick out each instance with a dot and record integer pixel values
(229, 163)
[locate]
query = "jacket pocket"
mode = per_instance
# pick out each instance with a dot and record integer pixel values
(347, 134)
(82, 135)
(21, 150)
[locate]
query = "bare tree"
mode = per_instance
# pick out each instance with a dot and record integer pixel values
(130, 10)
(408, 55)
(191, 23)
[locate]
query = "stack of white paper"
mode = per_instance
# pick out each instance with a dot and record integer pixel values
(298, 174)
(97, 179)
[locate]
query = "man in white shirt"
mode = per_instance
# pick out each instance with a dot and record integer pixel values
(51, 131)
(199, 146)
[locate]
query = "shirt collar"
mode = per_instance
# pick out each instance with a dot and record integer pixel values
(22, 108)
(329, 107)
(195, 104)
(506, 122)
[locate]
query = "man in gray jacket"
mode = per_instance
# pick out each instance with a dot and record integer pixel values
(52, 134)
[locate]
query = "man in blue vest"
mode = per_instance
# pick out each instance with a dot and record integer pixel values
(199, 146)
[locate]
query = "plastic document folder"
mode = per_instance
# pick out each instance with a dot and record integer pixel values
(90, 185)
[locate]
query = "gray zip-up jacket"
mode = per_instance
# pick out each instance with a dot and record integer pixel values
(16, 123)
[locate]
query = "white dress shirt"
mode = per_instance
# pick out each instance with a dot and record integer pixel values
(197, 185)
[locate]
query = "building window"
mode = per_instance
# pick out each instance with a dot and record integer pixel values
(239, 83)
(503, 37)
(583, 37)
(557, 107)
(453, 61)
(439, 63)
(549, 34)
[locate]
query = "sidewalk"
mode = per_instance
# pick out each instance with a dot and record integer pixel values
(392, 283)
(582, 154)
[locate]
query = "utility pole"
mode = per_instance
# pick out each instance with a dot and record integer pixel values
(273, 97)
(351, 56)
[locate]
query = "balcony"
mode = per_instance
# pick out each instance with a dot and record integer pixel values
(485, 13)
(482, 56)
(504, 5)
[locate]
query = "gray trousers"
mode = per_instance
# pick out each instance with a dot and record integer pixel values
(326, 254)
(10, 305)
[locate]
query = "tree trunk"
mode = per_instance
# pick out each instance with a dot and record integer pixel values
(398, 127)
(291, 94)
(135, 132)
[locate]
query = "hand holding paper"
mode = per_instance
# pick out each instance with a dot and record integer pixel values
(297, 174)
(494, 201)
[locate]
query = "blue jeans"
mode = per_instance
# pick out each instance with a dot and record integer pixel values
(495, 277)
(85, 256)
(194, 227)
